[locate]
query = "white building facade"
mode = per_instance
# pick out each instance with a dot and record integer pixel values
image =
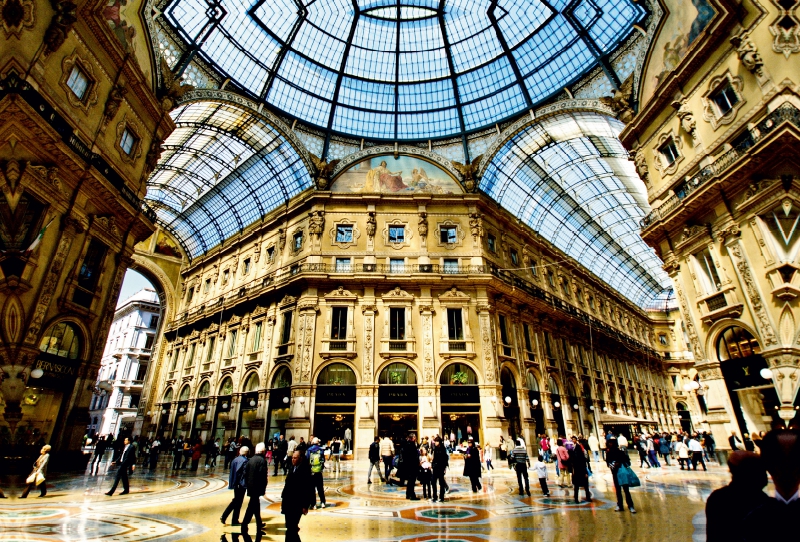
(124, 364)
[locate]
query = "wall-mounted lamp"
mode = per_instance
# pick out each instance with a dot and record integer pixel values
(38, 373)
(535, 402)
(224, 405)
(507, 400)
(181, 409)
(285, 400)
(202, 407)
(575, 406)
(605, 409)
(591, 407)
(765, 373)
(557, 404)
(163, 410)
(252, 402)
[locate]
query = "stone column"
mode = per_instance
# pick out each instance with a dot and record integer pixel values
(721, 418)
(426, 344)
(785, 369)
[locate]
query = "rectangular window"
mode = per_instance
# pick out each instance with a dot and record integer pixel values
(455, 325)
(225, 276)
(246, 267)
(207, 286)
(190, 358)
(397, 324)
(339, 323)
(551, 279)
(343, 265)
(397, 265)
(210, 352)
(548, 345)
(286, 329)
(451, 265)
(669, 152)
(725, 98)
(271, 254)
(708, 272)
(298, 241)
(448, 234)
(78, 82)
(662, 338)
(128, 141)
(533, 267)
(92, 265)
(397, 234)
(344, 233)
(174, 363)
(154, 321)
(148, 342)
(491, 242)
(503, 329)
(257, 337)
(526, 332)
(232, 343)
(514, 257)
(566, 349)
(189, 295)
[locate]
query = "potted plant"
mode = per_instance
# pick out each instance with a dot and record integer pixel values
(395, 377)
(459, 377)
(336, 381)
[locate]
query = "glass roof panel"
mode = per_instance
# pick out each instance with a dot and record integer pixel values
(303, 57)
(221, 169)
(553, 177)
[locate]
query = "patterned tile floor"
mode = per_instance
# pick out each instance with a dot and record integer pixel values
(165, 507)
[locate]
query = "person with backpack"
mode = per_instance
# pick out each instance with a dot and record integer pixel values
(236, 482)
(439, 465)
(375, 460)
(316, 459)
(519, 456)
(562, 455)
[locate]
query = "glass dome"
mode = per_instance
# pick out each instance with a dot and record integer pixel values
(401, 69)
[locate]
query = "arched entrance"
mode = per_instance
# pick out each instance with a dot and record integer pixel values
(201, 426)
(510, 402)
(398, 401)
(335, 402)
(183, 424)
(249, 425)
(535, 398)
(461, 406)
(224, 426)
(753, 397)
(280, 393)
(555, 403)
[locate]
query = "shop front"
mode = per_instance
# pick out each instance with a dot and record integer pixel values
(249, 424)
(280, 395)
(398, 402)
(334, 402)
(461, 404)
(557, 406)
(535, 400)
(223, 427)
(511, 408)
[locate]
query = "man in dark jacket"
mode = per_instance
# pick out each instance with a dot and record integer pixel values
(127, 461)
(255, 475)
(439, 465)
(280, 458)
(297, 495)
(409, 469)
(236, 482)
(99, 452)
(472, 466)
(615, 459)
(375, 459)
(580, 469)
(727, 507)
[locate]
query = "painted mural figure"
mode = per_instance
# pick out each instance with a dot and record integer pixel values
(391, 181)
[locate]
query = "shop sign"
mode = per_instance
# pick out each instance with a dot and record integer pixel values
(398, 395)
(58, 372)
(460, 394)
(336, 394)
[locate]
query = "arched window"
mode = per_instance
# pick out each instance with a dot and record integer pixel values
(681, 407)
(397, 373)
(251, 384)
(736, 342)
(531, 382)
(282, 378)
(337, 374)
(62, 339)
(204, 390)
(552, 386)
(184, 396)
(168, 395)
(507, 379)
(226, 387)
(459, 374)
(571, 391)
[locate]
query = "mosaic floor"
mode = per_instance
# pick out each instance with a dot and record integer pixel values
(163, 507)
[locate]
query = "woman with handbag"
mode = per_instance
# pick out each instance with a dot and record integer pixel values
(619, 462)
(37, 476)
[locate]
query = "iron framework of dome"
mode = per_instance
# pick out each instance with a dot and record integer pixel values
(402, 69)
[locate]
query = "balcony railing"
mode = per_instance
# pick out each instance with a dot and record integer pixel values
(717, 302)
(337, 345)
(457, 346)
(397, 346)
(784, 113)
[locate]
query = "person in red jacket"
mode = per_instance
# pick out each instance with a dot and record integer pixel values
(197, 451)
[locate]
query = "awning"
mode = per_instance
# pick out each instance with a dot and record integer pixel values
(616, 419)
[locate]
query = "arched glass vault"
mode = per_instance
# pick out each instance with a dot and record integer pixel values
(222, 169)
(569, 178)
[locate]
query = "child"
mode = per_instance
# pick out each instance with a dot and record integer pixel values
(425, 474)
(540, 469)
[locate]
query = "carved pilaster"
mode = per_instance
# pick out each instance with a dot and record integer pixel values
(308, 317)
(369, 312)
(755, 302)
(426, 313)
(488, 350)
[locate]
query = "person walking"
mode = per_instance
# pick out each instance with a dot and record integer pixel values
(641, 448)
(177, 453)
(735, 442)
(579, 464)
(283, 456)
(38, 474)
(562, 454)
(519, 456)
(408, 470)
(387, 454)
(615, 459)
(297, 495)
(441, 460)
(425, 473)
(155, 448)
(663, 448)
(336, 450)
(651, 452)
(230, 452)
(375, 460)
(197, 452)
(316, 459)
(488, 456)
(594, 447)
(683, 454)
(622, 442)
(97, 458)
(127, 460)
(472, 466)
(697, 453)
(255, 475)
(237, 483)
(540, 468)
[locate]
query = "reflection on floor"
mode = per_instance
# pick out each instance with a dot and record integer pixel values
(165, 506)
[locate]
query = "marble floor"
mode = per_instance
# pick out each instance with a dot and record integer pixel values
(164, 506)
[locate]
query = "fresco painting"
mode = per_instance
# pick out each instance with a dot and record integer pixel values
(389, 175)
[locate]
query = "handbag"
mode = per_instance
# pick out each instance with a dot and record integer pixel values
(626, 477)
(35, 478)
